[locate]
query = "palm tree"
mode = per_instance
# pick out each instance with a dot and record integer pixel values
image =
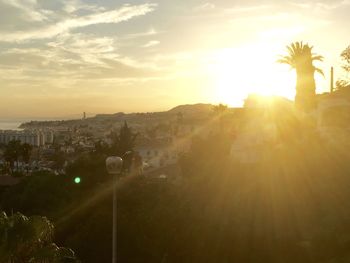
(300, 58)
(29, 239)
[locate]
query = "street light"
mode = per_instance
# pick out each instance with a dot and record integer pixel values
(114, 167)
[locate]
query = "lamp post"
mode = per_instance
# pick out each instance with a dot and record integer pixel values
(114, 167)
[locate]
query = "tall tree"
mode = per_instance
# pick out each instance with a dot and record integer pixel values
(345, 80)
(26, 151)
(123, 141)
(12, 152)
(345, 55)
(301, 58)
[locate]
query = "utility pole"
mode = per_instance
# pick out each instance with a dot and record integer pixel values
(332, 79)
(114, 165)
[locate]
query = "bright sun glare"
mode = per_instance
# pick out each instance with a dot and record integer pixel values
(238, 72)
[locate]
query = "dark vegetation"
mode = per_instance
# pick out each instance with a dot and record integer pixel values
(291, 207)
(14, 152)
(29, 239)
(344, 81)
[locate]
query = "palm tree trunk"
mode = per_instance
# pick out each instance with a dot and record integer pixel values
(305, 98)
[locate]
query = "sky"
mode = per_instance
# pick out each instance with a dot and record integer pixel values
(61, 58)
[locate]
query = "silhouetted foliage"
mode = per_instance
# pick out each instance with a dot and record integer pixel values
(29, 239)
(300, 58)
(122, 141)
(59, 159)
(220, 108)
(345, 56)
(344, 82)
(15, 150)
(341, 84)
(90, 168)
(40, 193)
(12, 152)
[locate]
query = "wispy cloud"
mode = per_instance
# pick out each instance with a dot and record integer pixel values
(245, 9)
(322, 5)
(76, 56)
(84, 45)
(29, 9)
(150, 32)
(124, 13)
(151, 43)
(205, 6)
(71, 6)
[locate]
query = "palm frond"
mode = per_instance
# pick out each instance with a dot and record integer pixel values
(317, 57)
(286, 60)
(297, 46)
(320, 71)
(291, 50)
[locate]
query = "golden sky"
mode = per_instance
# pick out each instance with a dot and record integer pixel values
(60, 58)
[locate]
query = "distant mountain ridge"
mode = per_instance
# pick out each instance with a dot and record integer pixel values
(192, 108)
(188, 110)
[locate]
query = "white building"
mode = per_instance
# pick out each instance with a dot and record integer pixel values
(34, 138)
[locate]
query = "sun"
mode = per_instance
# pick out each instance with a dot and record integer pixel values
(238, 72)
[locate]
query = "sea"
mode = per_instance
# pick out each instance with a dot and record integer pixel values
(10, 125)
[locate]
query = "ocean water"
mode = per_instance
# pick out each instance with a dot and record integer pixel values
(10, 125)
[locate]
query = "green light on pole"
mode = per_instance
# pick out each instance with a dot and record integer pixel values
(77, 180)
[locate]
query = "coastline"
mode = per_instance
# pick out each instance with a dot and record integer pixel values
(10, 125)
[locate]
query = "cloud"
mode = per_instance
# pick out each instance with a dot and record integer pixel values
(322, 5)
(29, 9)
(205, 6)
(124, 13)
(75, 57)
(89, 50)
(151, 43)
(72, 6)
(150, 32)
(86, 48)
(244, 9)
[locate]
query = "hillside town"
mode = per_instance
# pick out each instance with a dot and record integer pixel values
(162, 137)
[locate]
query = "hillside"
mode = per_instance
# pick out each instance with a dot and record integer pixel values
(194, 111)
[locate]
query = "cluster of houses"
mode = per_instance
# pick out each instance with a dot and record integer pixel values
(49, 146)
(255, 127)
